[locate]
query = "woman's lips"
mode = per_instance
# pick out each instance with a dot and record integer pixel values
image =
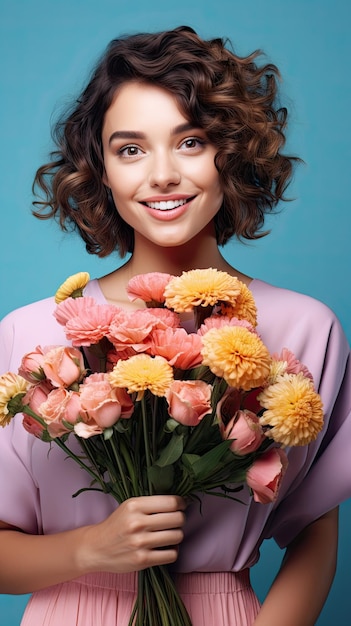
(167, 209)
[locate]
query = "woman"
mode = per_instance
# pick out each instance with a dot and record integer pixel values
(174, 147)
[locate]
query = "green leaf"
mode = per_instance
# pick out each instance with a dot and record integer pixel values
(172, 452)
(209, 461)
(190, 459)
(161, 478)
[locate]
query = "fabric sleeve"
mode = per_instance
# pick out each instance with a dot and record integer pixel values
(19, 494)
(325, 480)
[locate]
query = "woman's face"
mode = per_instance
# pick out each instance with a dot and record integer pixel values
(160, 169)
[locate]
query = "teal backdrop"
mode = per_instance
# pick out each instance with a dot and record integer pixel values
(47, 48)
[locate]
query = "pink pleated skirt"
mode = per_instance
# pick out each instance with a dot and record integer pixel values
(219, 599)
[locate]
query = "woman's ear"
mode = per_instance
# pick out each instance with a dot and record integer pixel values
(105, 179)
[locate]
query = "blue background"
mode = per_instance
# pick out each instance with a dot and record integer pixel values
(46, 50)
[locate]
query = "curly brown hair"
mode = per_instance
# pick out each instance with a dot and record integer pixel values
(231, 97)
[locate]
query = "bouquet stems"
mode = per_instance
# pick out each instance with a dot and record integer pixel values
(158, 602)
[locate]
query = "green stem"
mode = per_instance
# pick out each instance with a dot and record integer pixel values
(130, 467)
(154, 427)
(120, 468)
(28, 411)
(146, 444)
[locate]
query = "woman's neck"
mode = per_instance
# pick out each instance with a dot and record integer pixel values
(147, 257)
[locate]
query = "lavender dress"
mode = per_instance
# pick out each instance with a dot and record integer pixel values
(36, 488)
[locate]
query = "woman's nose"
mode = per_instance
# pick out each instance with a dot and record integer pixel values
(164, 171)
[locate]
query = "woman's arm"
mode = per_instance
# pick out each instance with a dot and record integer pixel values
(300, 589)
(128, 540)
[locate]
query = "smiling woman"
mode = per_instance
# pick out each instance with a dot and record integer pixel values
(165, 184)
(175, 146)
(231, 99)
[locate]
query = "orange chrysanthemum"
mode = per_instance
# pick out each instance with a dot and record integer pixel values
(142, 372)
(244, 306)
(200, 288)
(72, 287)
(11, 385)
(294, 410)
(237, 355)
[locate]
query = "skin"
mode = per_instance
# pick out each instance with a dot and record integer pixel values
(152, 154)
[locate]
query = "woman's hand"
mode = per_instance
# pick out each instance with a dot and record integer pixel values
(142, 532)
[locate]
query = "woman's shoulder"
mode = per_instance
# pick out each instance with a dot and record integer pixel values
(29, 312)
(287, 318)
(283, 304)
(23, 329)
(41, 312)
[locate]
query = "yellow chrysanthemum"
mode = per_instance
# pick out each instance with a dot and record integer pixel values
(277, 370)
(72, 287)
(237, 355)
(142, 372)
(294, 410)
(10, 386)
(244, 306)
(200, 288)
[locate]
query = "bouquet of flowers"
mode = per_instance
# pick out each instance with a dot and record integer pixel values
(157, 409)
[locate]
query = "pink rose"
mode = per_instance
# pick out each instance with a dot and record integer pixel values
(31, 367)
(63, 366)
(189, 401)
(59, 407)
(32, 426)
(102, 403)
(85, 431)
(36, 395)
(245, 430)
(228, 405)
(265, 475)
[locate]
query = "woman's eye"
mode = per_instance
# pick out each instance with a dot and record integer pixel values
(129, 151)
(192, 143)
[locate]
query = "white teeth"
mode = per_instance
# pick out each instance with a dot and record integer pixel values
(166, 205)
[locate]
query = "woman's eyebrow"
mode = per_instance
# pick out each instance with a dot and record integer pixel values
(126, 134)
(136, 134)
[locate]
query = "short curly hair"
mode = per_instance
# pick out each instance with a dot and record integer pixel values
(230, 97)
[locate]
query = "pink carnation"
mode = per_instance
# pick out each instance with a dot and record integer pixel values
(165, 318)
(134, 330)
(182, 350)
(148, 287)
(73, 307)
(91, 325)
(217, 321)
(293, 365)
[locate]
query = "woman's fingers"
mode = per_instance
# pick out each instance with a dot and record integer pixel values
(142, 532)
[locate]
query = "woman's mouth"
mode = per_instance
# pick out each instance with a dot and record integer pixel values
(167, 205)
